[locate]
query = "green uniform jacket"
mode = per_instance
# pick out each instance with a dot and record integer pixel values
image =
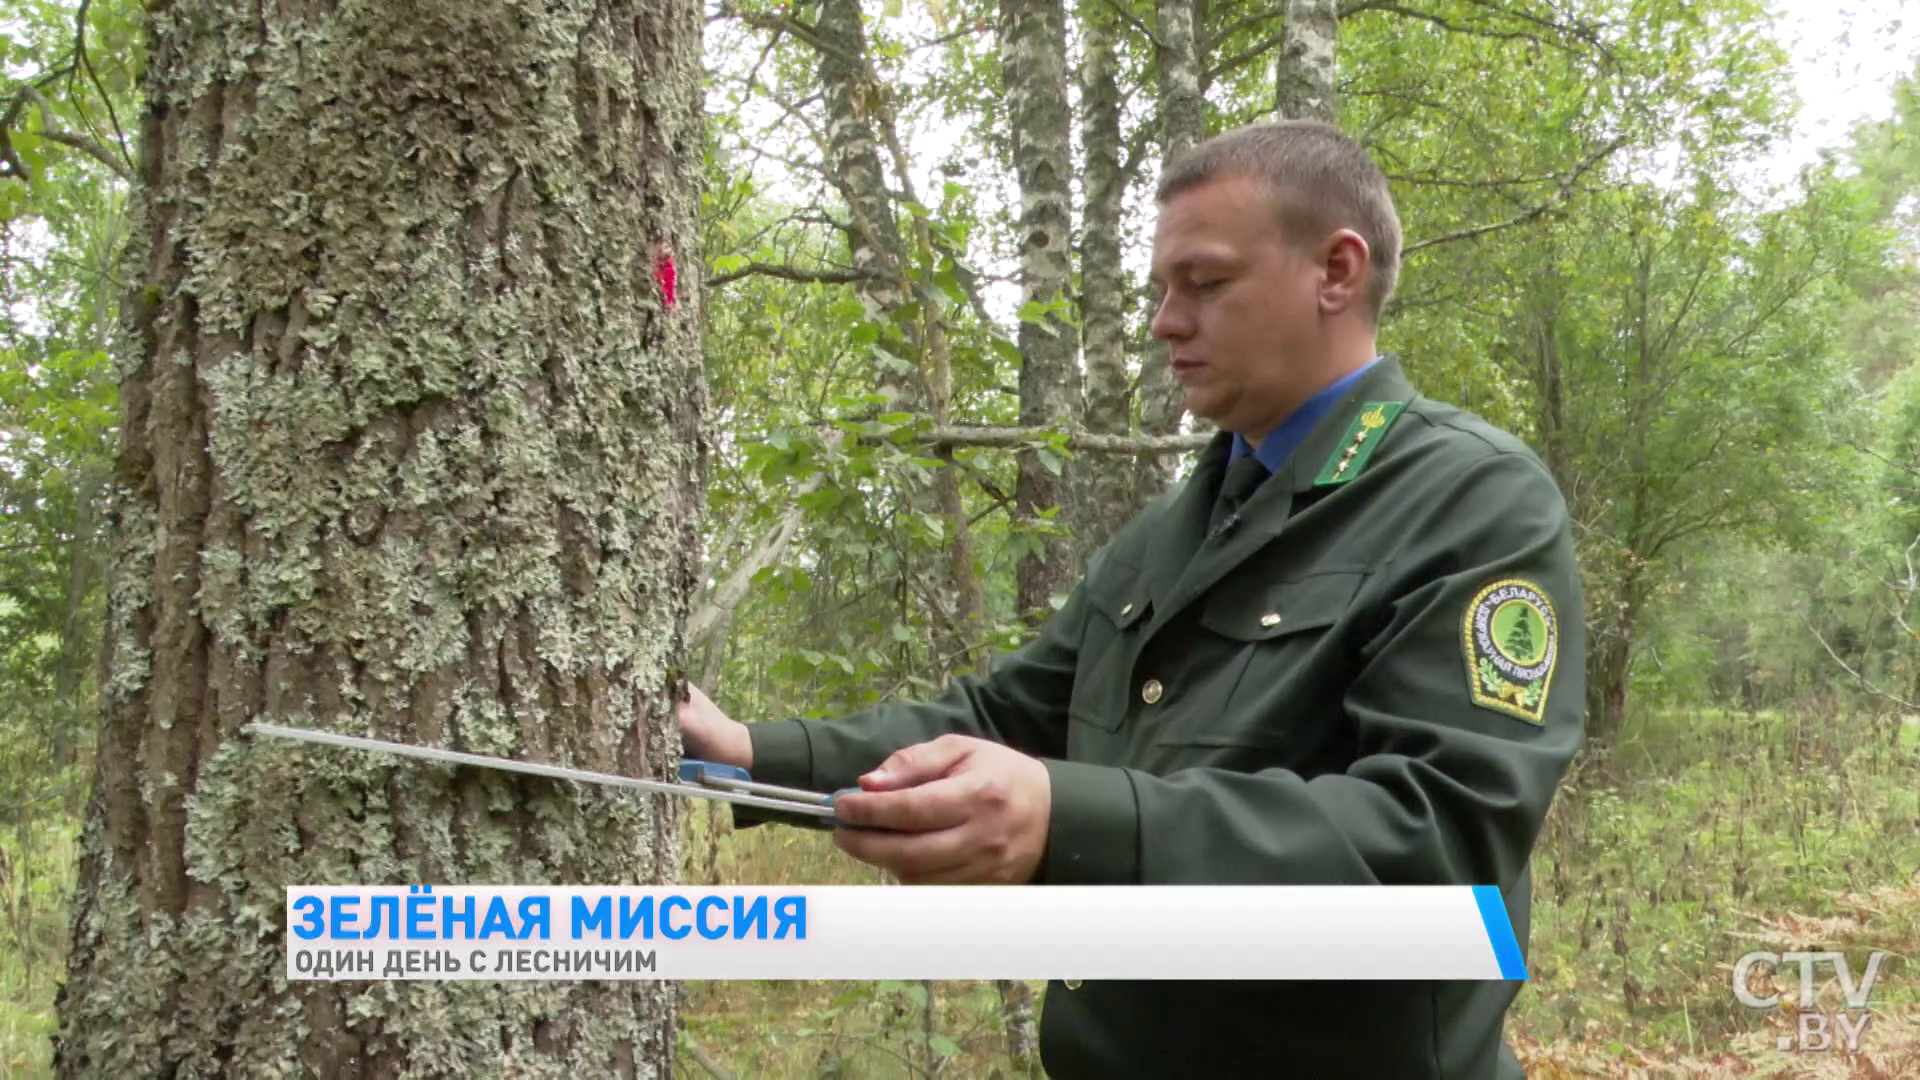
(1342, 688)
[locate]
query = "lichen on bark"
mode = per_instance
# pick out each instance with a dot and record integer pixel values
(411, 447)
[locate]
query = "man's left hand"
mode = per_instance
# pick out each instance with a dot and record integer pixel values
(966, 811)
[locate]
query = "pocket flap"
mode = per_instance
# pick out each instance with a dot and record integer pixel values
(1285, 607)
(1123, 606)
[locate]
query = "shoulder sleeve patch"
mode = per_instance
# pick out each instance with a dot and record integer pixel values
(1511, 638)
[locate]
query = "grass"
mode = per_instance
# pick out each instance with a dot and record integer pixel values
(1721, 833)
(1711, 833)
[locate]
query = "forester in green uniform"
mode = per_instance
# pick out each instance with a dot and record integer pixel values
(1348, 649)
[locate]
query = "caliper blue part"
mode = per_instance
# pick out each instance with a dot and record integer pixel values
(701, 772)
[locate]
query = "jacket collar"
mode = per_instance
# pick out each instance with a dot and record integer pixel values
(1182, 562)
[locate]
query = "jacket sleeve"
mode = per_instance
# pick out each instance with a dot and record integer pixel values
(1021, 702)
(1442, 790)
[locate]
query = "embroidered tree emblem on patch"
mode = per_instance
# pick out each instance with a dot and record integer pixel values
(1511, 639)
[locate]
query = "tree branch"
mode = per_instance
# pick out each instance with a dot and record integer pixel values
(51, 132)
(982, 478)
(1128, 17)
(1883, 459)
(86, 62)
(1861, 679)
(1079, 441)
(1265, 46)
(727, 595)
(789, 273)
(790, 25)
(1525, 216)
(1242, 24)
(1579, 33)
(92, 149)
(1436, 180)
(1470, 31)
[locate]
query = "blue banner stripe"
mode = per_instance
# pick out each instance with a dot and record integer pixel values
(1506, 948)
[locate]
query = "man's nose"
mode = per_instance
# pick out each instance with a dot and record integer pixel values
(1170, 320)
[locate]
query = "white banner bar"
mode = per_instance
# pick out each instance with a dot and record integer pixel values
(917, 932)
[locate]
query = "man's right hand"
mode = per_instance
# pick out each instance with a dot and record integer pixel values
(711, 735)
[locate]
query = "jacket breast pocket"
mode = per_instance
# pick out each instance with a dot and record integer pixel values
(1275, 664)
(1099, 706)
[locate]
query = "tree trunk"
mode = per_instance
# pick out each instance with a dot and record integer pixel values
(1104, 501)
(1034, 52)
(1183, 123)
(1609, 667)
(913, 374)
(411, 448)
(1304, 86)
(853, 94)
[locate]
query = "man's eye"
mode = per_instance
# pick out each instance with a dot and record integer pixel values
(1210, 284)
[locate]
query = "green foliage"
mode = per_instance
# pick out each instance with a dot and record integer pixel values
(62, 227)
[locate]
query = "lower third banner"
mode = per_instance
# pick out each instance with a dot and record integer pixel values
(922, 932)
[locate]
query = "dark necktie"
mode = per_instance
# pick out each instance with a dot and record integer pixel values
(1242, 480)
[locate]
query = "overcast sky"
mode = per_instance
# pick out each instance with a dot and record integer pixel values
(1846, 54)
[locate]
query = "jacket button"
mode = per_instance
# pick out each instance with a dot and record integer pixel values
(1271, 618)
(1150, 693)
(1128, 610)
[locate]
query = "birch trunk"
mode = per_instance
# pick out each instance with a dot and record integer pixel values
(1107, 499)
(1034, 55)
(1304, 87)
(913, 377)
(1183, 122)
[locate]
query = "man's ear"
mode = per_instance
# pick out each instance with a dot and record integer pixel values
(1345, 264)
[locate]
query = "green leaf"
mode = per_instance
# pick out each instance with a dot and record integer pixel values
(943, 1046)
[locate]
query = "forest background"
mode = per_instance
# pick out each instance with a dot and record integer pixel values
(930, 394)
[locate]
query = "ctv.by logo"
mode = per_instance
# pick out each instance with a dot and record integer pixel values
(1816, 1028)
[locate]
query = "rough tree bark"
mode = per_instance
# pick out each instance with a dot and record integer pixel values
(411, 448)
(1304, 86)
(1106, 499)
(1034, 58)
(1183, 122)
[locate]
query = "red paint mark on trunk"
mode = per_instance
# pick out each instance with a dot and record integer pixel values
(665, 276)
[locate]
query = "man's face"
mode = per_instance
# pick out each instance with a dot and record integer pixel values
(1239, 305)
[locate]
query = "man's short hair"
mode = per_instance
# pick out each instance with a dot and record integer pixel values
(1321, 181)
